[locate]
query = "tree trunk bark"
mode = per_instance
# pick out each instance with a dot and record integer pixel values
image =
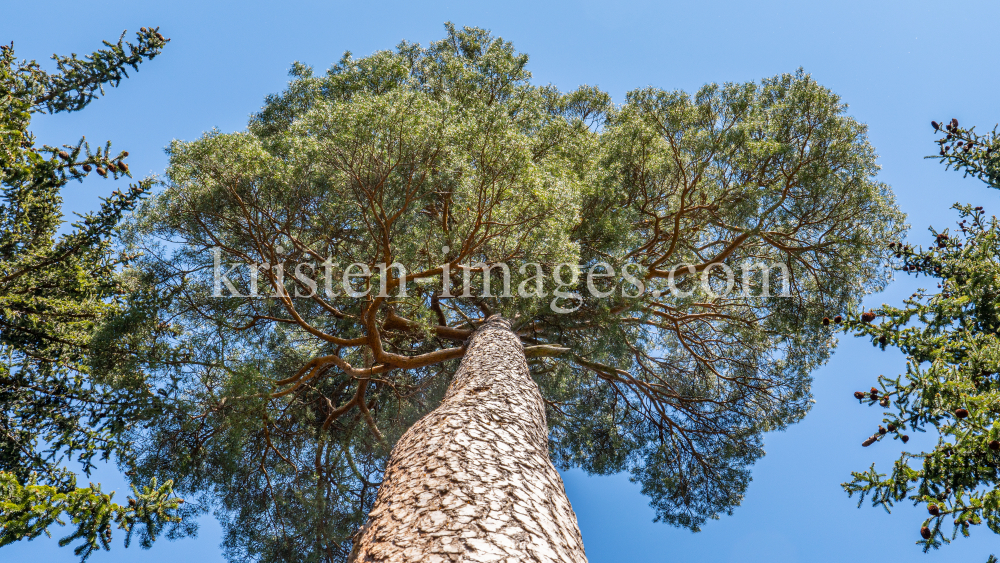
(472, 480)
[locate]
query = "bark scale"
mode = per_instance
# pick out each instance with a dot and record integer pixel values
(472, 480)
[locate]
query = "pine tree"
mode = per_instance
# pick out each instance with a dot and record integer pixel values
(476, 471)
(60, 306)
(447, 159)
(952, 382)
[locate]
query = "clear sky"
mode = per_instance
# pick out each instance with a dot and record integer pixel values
(899, 64)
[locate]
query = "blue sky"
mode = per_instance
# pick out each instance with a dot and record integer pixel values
(898, 64)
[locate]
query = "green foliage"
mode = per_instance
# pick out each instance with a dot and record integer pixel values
(29, 510)
(951, 385)
(60, 295)
(283, 409)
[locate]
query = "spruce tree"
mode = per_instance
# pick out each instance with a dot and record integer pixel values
(62, 312)
(951, 386)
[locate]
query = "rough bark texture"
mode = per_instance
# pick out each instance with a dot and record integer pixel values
(472, 480)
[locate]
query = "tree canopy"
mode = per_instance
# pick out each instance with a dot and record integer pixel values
(448, 158)
(951, 386)
(61, 311)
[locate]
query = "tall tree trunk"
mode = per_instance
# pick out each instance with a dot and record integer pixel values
(472, 480)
